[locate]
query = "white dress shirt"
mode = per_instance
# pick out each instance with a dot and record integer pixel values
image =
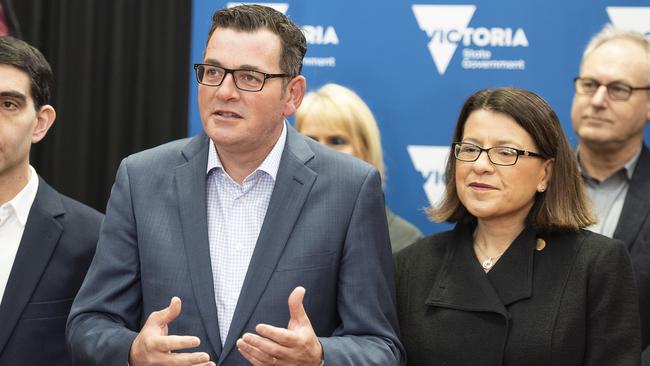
(13, 217)
(235, 216)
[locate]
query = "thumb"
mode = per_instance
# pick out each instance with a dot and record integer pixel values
(296, 309)
(167, 315)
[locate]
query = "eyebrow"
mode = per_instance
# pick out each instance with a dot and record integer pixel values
(497, 143)
(620, 81)
(14, 94)
(214, 62)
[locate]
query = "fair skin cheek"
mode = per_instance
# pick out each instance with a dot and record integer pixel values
(603, 124)
(15, 132)
(499, 194)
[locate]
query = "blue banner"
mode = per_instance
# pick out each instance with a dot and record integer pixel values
(414, 63)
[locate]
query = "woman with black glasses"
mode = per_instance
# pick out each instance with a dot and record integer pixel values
(517, 281)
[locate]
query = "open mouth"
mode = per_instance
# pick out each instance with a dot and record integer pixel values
(227, 114)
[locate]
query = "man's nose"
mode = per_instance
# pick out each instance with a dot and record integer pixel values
(227, 89)
(600, 96)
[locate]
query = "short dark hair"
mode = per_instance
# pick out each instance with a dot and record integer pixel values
(27, 58)
(564, 204)
(250, 18)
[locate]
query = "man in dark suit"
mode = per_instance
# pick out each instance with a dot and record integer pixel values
(47, 240)
(237, 223)
(611, 108)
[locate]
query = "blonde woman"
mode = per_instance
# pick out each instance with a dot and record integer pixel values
(337, 117)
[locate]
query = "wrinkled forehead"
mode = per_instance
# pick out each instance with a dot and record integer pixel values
(495, 128)
(618, 59)
(247, 46)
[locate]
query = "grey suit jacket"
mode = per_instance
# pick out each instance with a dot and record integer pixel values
(54, 253)
(325, 229)
(634, 230)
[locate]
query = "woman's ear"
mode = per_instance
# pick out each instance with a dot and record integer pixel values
(547, 172)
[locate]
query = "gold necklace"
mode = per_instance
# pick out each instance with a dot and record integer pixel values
(490, 261)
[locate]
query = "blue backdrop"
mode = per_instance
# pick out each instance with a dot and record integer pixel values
(415, 63)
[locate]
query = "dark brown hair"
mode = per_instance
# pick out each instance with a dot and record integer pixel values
(564, 204)
(27, 58)
(250, 18)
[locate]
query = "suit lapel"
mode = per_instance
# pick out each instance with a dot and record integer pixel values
(462, 283)
(40, 238)
(292, 186)
(512, 277)
(636, 206)
(191, 190)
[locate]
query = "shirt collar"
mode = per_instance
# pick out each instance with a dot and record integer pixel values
(271, 163)
(630, 166)
(627, 168)
(23, 201)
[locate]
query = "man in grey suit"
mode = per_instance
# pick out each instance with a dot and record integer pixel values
(237, 223)
(611, 108)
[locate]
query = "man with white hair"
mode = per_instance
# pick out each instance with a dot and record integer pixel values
(611, 108)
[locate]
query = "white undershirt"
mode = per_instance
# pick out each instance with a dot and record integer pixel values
(13, 216)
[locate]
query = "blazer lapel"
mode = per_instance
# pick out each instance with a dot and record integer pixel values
(292, 186)
(512, 277)
(637, 205)
(191, 190)
(40, 238)
(462, 283)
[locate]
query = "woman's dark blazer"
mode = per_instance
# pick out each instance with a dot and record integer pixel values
(571, 303)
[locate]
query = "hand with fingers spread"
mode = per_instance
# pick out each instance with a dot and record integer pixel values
(295, 345)
(153, 345)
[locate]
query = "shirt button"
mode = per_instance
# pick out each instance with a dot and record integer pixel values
(4, 215)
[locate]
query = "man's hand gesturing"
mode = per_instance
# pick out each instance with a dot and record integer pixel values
(153, 345)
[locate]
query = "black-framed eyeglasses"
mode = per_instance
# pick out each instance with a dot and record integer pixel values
(616, 90)
(247, 80)
(498, 155)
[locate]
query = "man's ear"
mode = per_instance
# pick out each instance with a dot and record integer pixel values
(294, 93)
(44, 119)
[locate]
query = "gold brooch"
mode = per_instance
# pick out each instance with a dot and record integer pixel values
(540, 244)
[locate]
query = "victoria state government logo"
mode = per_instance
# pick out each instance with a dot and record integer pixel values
(447, 27)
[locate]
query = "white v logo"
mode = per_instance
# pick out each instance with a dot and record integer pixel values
(442, 23)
